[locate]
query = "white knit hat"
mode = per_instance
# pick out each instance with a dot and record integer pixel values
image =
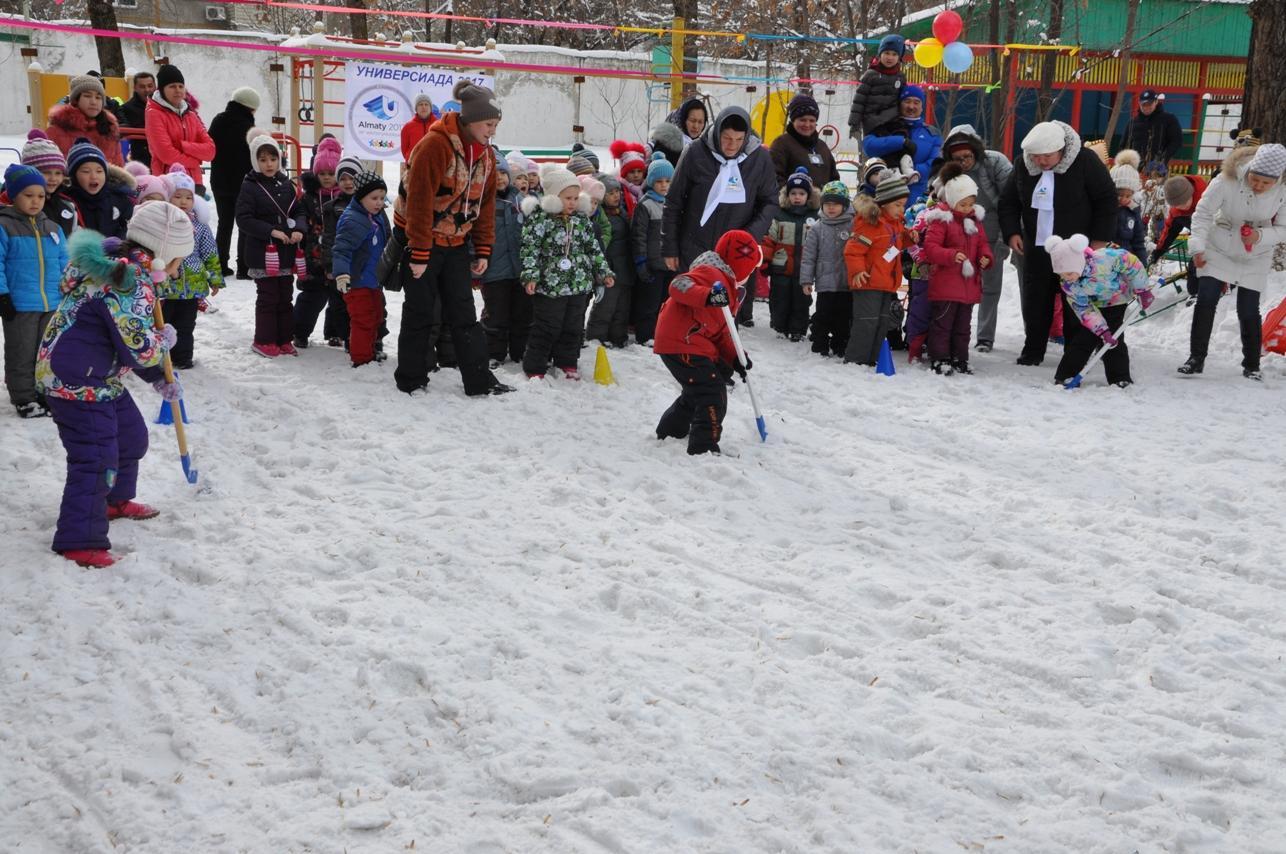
(259, 138)
(1269, 160)
(958, 188)
(163, 230)
(554, 179)
(246, 97)
(1045, 138)
(1067, 256)
(1126, 177)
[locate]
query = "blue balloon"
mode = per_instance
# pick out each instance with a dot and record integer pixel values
(957, 57)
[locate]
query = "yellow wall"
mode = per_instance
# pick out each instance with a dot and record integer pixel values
(54, 87)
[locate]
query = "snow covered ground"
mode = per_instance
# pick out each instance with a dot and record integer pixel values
(931, 614)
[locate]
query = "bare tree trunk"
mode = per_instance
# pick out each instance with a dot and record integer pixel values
(1265, 99)
(357, 23)
(111, 60)
(1049, 64)
(803, 67)
(1122, 78)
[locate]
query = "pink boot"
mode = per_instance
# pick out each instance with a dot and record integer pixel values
(131, 510)
(91, 558)
(268, 351)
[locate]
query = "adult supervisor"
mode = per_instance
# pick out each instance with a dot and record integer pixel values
(1059, 188)
(450, 204)
(724, 181)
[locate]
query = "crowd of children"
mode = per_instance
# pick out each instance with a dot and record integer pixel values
(88, 249)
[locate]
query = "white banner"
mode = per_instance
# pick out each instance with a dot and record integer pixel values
(379, 99)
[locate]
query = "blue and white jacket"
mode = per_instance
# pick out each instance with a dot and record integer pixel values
(33, 253)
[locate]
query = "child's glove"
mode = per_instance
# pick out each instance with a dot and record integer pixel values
(718, 297)
(169, 391)
(741, 369)
(169, 336)
(341, 282)
(1108, 338)
(1146, 298)
(7, 311)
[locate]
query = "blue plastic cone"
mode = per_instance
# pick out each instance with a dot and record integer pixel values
(884, 365)
(166, 415)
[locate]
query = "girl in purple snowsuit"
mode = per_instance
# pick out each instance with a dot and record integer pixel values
(103, 329)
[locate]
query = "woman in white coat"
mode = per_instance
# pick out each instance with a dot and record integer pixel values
(1235, 228)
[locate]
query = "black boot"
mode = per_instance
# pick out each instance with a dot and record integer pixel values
(942, 366)
(1192, 366)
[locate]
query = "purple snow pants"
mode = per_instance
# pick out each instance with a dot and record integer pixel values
(104, 443)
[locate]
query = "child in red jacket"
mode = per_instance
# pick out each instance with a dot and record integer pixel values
(693, 340)
(956, 247)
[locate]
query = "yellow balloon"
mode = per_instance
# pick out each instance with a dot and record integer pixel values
(928, 52)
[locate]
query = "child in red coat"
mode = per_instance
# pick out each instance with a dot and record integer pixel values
(693, 340)
(956, 247)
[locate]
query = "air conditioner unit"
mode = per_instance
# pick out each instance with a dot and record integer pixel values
(216, 13)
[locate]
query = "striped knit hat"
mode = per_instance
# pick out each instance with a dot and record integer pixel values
(892, 187)
(41, 153)
(83, 151)
(349, 166)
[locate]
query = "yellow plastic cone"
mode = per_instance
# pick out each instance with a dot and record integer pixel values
(603, 368)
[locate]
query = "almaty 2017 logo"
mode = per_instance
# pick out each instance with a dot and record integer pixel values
(381, 107)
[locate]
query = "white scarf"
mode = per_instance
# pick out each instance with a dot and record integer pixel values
(1042, 201)
(727, 188)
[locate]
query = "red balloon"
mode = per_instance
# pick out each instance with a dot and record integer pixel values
(947, 26)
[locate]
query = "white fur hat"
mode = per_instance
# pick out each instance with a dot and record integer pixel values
(1067, 256)
(958, 188)
(163, 230)
(1044, 138)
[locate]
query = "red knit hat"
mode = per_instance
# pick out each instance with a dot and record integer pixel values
(632, 155)
(741, 252)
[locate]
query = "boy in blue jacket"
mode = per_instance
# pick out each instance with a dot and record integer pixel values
(360, 236)
(33, 254)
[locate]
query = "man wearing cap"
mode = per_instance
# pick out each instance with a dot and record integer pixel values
(801, 145)
(415, 129)
(1154, 133)
(450, 207)
(1059, 188)
(229, 166)
(724, 181)
(911, 150)
(990, 171)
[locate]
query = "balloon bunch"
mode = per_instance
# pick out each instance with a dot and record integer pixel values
(944, 45)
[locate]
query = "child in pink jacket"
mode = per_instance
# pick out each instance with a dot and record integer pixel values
(956, 246)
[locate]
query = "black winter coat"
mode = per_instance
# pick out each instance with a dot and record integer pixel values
(1155, 137)
(265, 204)
(231, 149)
(132, 116)
(682, 233)
(875, 103)
(311, 214)
(620, 247)
(790, 151)
(1084, 203)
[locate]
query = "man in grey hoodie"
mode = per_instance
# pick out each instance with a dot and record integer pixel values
(989, 170)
